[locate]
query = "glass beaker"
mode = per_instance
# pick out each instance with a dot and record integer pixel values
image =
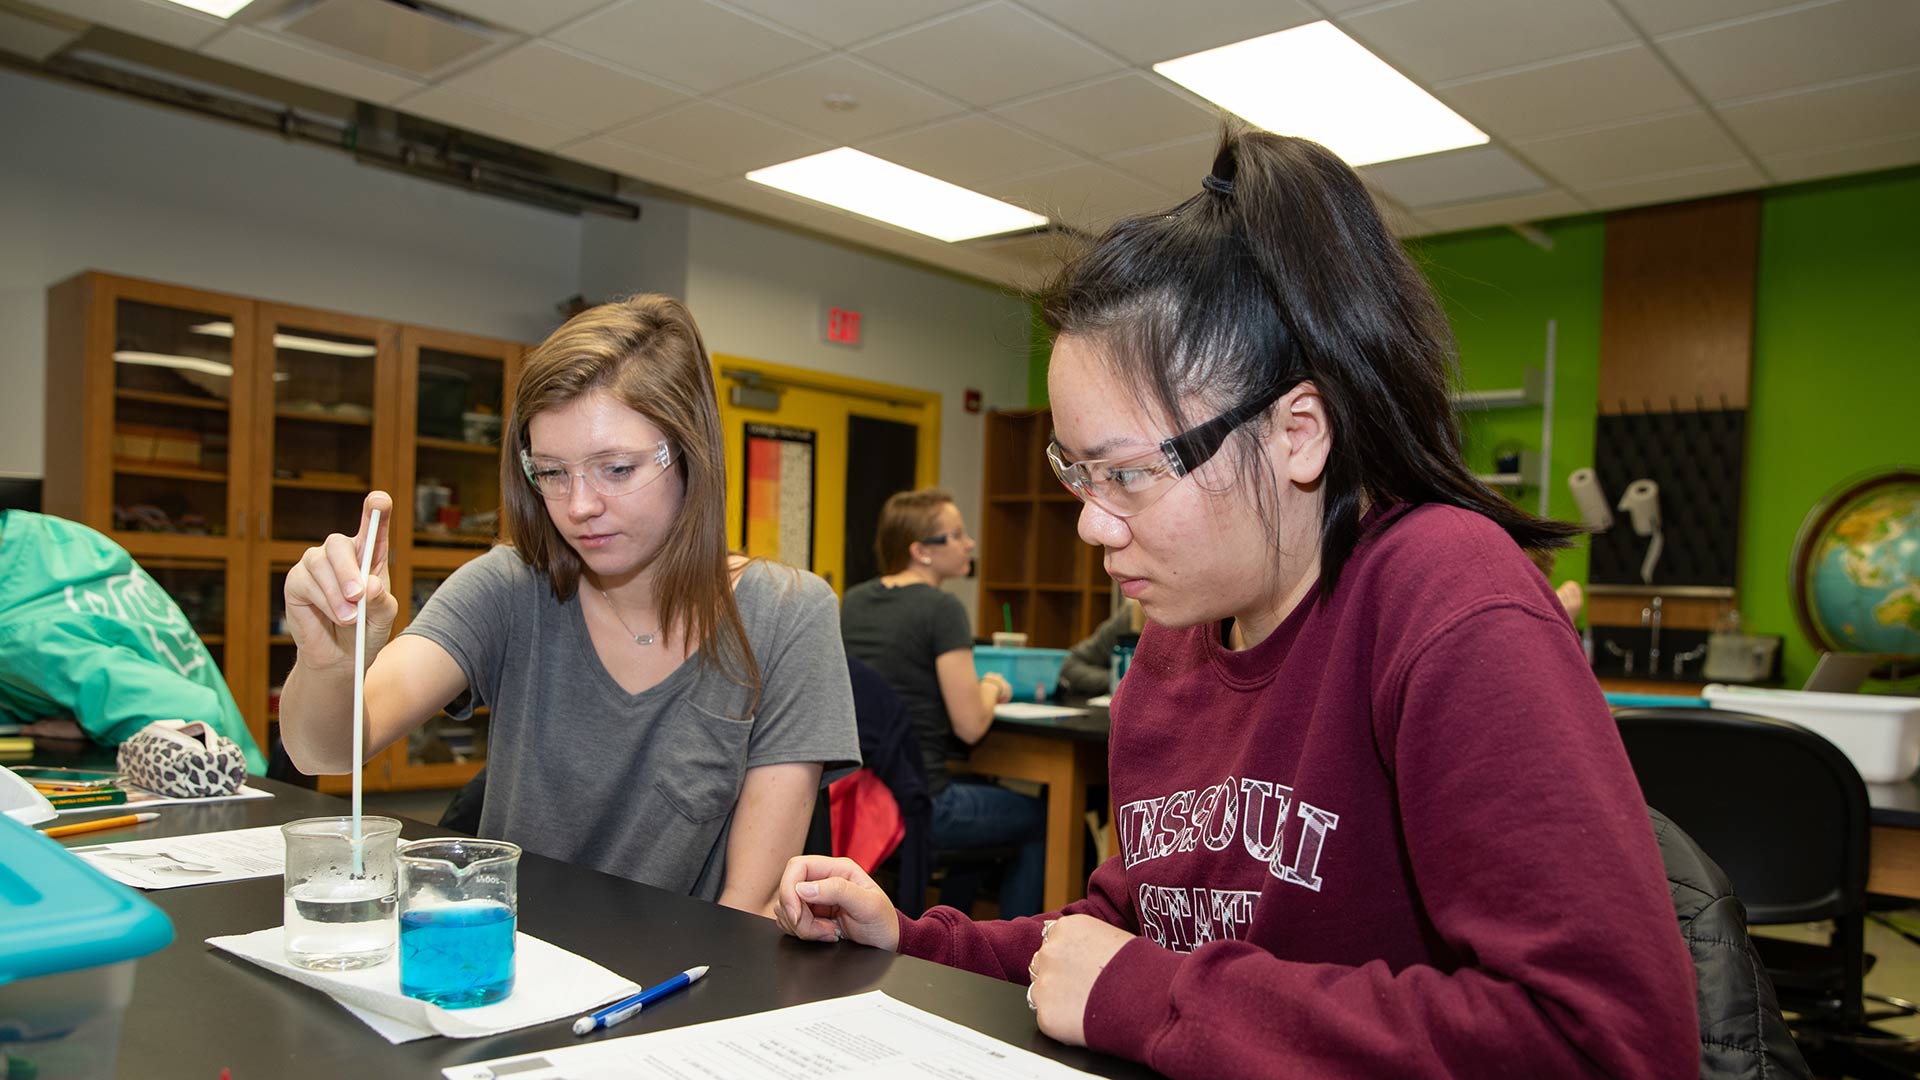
(458, 901)
(337, 919)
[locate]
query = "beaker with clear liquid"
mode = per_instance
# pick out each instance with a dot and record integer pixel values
(337, 918)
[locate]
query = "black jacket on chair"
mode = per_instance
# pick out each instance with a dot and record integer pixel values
(1742, 1034)
(890, 748)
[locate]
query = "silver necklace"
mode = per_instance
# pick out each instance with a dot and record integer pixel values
(638, 639)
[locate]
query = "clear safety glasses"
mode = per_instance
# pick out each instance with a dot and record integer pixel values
(1126, 486)
(612, 474)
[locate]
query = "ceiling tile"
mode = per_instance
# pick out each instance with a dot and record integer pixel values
(843, 22)
(1432, 40)
(885, 103)
(487, 118)
(1148, 31)
(718, 137)
(1675, 187)
(1088, 196)
(1483, 172)
(1797, 48)
(1510, 211)
(297, 63)
(1664, 16)
(1114, 114)
(155, 20)
(522, 16)
(32, 38)
(690, 42)
(1841, 161)
(1866, 109)
(1625, 151)
(1176, 167)
(1618, 84)
(564, 87)
(969, 150)
(629, 160)
(989, 54)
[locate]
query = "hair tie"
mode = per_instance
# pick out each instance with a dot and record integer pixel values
(1222, 188)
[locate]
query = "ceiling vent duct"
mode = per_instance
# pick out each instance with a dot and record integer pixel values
(409, 37)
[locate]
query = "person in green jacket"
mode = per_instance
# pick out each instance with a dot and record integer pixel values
(86, 633)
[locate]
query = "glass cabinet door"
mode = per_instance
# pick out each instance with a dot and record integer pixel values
(327, 416)
(174, 389)
(454, 392)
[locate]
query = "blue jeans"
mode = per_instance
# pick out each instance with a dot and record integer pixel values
(972, 814)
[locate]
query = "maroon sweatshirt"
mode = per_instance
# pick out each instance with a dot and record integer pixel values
(1398, 838)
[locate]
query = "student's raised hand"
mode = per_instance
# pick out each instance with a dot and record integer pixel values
(823, 899)
(1073, 952)
(324, 587)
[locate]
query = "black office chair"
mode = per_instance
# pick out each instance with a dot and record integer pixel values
(1784, 813)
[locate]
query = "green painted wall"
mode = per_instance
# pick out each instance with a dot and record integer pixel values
(1836, 369)
(1499, 292)
(1039, 354)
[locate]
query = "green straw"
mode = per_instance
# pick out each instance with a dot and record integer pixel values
(1006, 616)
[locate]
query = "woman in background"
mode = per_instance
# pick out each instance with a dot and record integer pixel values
(916, 635)
(1373, 815)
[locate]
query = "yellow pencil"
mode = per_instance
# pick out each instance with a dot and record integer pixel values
(96, 826)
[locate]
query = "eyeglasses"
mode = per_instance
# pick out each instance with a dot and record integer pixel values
(958, 536)
(1126, 486)
(612, 474)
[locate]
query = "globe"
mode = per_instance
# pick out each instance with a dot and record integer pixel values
(1856, 567)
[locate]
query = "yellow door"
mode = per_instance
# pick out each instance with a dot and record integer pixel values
(789, 468)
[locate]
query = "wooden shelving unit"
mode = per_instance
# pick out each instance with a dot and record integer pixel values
(1032, 560)
(256, 386)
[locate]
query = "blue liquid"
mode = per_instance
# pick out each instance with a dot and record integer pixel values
(457, 956)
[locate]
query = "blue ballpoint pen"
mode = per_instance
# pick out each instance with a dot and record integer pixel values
(626, 1007)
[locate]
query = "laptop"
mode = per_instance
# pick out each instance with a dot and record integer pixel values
(1843, 672)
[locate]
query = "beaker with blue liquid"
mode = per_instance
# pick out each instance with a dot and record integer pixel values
(459, 898)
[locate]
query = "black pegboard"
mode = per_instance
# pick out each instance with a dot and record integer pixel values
(1698, 459)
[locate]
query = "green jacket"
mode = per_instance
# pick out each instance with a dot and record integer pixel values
(84, 631)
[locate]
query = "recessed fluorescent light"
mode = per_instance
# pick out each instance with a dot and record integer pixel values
(1317, 83)
(870, 187)
(222, 9)
(293, 341)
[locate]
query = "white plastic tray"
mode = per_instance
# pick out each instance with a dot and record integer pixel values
(1879, 733)
(20, 801)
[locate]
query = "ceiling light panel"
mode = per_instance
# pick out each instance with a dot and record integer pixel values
(1317, 83)
(868, 186)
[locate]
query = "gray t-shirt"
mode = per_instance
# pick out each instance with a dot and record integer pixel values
(640, 785)
(900, 631)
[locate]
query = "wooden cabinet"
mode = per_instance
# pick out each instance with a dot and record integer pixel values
(1034, 568)
(217, 437)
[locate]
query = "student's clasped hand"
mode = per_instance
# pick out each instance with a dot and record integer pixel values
(1073, 952)
(323, 591)
(823, 899)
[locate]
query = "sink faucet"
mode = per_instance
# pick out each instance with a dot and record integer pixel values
(1625, 655)
(1681, 660)
(1650, 617)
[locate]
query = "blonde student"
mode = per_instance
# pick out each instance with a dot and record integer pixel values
(660, 709)
(1373, 815)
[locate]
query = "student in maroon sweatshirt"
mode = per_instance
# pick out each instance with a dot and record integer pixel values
(1373, 815)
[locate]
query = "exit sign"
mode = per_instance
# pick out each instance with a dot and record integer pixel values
(843, 326)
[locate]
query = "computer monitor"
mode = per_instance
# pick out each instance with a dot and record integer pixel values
(19, 492)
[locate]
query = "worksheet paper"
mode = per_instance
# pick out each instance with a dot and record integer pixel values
(168, 862)
(1025, 710)
(866, 1035)
(140, 799)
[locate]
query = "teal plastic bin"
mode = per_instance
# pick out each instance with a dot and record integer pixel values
(69, 938)
(1033, 673)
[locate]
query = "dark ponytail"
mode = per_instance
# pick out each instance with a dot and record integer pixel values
(1280, 271)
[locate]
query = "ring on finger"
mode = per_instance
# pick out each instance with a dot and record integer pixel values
(1030, 1003)
(1045, 929)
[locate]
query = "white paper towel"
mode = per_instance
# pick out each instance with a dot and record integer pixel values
(1641, 504)
(549, 984)
(1595, 513)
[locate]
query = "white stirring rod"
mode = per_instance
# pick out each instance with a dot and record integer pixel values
(360, 685)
